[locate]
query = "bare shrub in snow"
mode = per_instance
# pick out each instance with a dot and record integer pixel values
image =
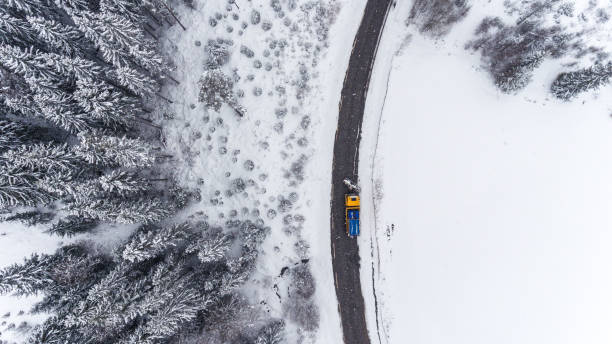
(323, 15)
(435, 17)
(271, 213)
(266, 25)
(284, 204)
(303, 312)
(249, 165)
(297, 168)
(218, 53)
(216, 89)
(246, 51)
(299, 308)
(302, 281)
(305, 123)
(255, 17)
(238, 185)
(276, 5)
(273, 333)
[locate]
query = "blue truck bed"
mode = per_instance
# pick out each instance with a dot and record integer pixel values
(353, 221)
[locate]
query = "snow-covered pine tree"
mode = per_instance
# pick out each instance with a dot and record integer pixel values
(163, 9)
(31, 217)
(116, 29)
(10, 175)
(113, 300)
(120, 40)
(65, 39)
(13, 134)
(100, 314)
(518, 74)
(106, 103)
(568, 85)
(42, 157)
(112, 28)
(15, 31)
(72, 5)
(20, 192)
(69, 67)
(30, 7)
(121, 183)
(146, 57)
(53, 331)
(16, 95)
(21, 105)
(27, 278)
(113, 185)
(174, 309)
(59, 108)
(139, 210)
(63, 185)
(20, 187)
(71, 225)
(211, 247)
(135, 81)
(111, 151)
(129, 8)
(24, 62)
(151, 242)
(112, 53)
(174, 299)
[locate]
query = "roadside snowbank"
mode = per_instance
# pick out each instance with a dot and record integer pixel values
(492, 211)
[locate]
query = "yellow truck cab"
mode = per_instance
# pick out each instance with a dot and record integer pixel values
(352, 204)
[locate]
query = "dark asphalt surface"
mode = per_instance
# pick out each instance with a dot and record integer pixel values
(345, 252)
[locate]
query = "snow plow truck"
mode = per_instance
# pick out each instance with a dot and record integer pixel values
(351, 202)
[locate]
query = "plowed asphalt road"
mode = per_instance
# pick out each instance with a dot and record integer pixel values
(345, 252)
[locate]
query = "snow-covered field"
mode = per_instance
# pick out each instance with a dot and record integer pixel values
(282, 147)
(490, 218)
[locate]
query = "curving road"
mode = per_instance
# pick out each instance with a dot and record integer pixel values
(345, 252)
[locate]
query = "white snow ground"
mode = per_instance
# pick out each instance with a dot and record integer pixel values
(492, 221)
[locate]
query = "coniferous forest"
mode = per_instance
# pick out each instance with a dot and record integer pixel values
(77, 152)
